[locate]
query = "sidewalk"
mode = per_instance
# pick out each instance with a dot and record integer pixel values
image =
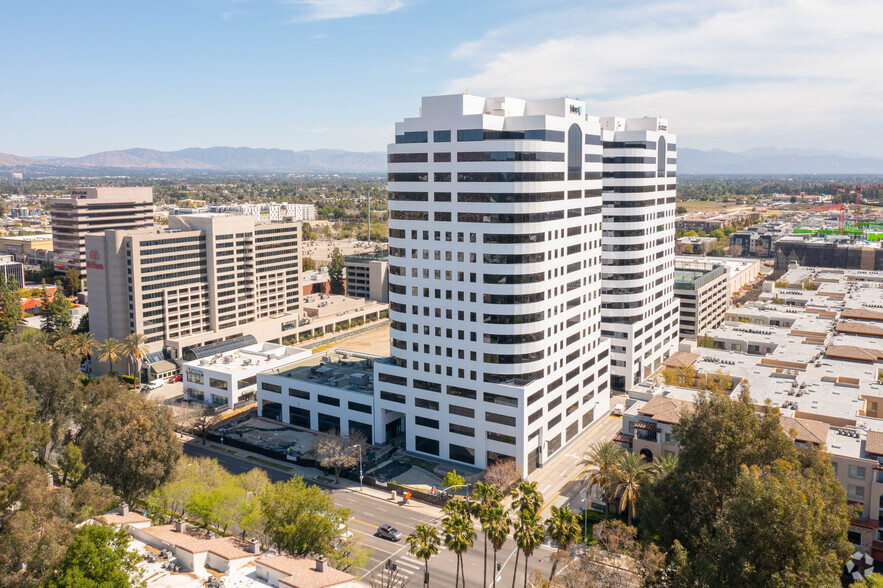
(311, 475)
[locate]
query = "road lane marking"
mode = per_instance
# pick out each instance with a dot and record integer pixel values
(565, 487)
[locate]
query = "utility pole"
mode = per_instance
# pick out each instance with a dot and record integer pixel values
(369, 217)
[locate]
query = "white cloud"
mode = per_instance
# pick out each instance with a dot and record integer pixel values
(722, 71)
(317, 10)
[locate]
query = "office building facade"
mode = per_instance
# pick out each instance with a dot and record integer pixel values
(367, 275)
(639, 312)
(208, 278)
(94, 210)
(495, 218)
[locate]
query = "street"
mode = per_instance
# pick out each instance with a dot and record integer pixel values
(558, 481)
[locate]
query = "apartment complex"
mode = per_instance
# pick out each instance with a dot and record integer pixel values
(495, 209)
(703, 295)
(270, 211)
(367, 275)
(712, 221)
(639, 312)
(94, 210)
(817, 355)
(208, 278)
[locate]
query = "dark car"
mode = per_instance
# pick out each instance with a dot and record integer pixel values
(389, 532)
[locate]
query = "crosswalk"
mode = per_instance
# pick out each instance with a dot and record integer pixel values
(409, 566)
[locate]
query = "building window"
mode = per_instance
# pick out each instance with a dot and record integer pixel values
(461, 430)
(359, 407)
(194, 376)
(299, 393)
(329, 400)
(462, 454)
(857, 491)
(425, 422)
(424, 445)
(856, 472)
(328, 423)
(441, 137)
(660, 157)
(299, 417)
(574, 152)
(267, 387)
(218, 384)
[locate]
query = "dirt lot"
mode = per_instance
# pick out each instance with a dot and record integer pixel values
(375, 341)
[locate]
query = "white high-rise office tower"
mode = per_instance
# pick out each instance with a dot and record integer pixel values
(494, 280)
(639, 310)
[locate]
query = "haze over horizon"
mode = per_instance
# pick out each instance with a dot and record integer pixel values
(337, 74)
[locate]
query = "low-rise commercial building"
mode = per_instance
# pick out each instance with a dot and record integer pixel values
(759, 240)
(12, 270)
(703, 294)
(367, 275)
(30, 249)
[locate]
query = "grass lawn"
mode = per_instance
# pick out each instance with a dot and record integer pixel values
(267, 462)
(224, 449)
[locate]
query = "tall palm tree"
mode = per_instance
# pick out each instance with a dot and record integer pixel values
(525, 496)
(111, 351)
(602, 460)
(459, 534)
(424, 543)
(525, 499)
(84, 344)
(632, 471)
(663, 466)
(486, 496)
(529, 534)
(563, 528)
(495, 523)
(65, 345)
(135, 349)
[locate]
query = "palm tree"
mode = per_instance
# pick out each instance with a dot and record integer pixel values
(459, 533)
(135, 349)
(602, 461)
(84, 343)
(663, 466)
(529, 534)
(495, 523)
(525, 496)
(424, 543)
(525, 499)
(65, 345)
(486, 496)
(632, 471)
(562, 528)
(111, 351)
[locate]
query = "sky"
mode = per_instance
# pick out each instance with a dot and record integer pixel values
(97, 75)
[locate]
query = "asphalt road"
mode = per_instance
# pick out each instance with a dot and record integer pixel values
(369, 512)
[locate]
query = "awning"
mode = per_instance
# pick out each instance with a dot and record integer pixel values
(162, 367)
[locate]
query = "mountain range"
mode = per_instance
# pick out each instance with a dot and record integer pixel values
(760, 161)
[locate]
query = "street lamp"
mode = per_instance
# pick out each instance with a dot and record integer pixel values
(361, 487)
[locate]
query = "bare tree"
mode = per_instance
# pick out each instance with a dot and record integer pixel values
(338, 453)
(388, 576)
(501, 474)
(196, 419)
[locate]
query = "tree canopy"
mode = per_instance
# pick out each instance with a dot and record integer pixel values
(97, 557)
(743, 506)
(335, 272)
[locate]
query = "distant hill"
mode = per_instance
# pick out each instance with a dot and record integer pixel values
(761, 161)
(772, 161)
(219, 159)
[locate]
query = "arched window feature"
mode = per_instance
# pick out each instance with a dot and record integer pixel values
(660, 158)
(574, 153)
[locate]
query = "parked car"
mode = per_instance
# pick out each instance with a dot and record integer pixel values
(155, 384)
(176, 378)
(389, 532)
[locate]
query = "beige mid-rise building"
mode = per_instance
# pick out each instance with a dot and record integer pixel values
(206, 279)
(94, 210)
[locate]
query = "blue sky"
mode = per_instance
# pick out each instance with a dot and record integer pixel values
(87, 76)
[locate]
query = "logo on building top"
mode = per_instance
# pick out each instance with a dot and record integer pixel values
(574, 109)
(93, 255)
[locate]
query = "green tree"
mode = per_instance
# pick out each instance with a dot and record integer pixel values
(47, 320)
(633, 470)
(307, 264)
(496, 524)
(111, 351)
(525, 496)
(875, 580)
(459, 533)
(602, 463)
(452, 478)
(83, 345)
(72, 281)
(485, 497)
(19, 433)
(337, 453)
(10, 308)
(740, 492)
(71, 463)
(98, 556)
(301, 519)
(529, 534)
(130, 442)
(83, 325)
(563, 528)
(335, 272)
(423, 543)
(60, 308)
(134, 348)
(349, 553)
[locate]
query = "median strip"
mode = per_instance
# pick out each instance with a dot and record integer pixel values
(267, 462)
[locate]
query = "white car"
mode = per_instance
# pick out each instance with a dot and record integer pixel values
(618, 410)
(155, 384)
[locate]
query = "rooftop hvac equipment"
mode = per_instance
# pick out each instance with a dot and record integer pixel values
(359, 379)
